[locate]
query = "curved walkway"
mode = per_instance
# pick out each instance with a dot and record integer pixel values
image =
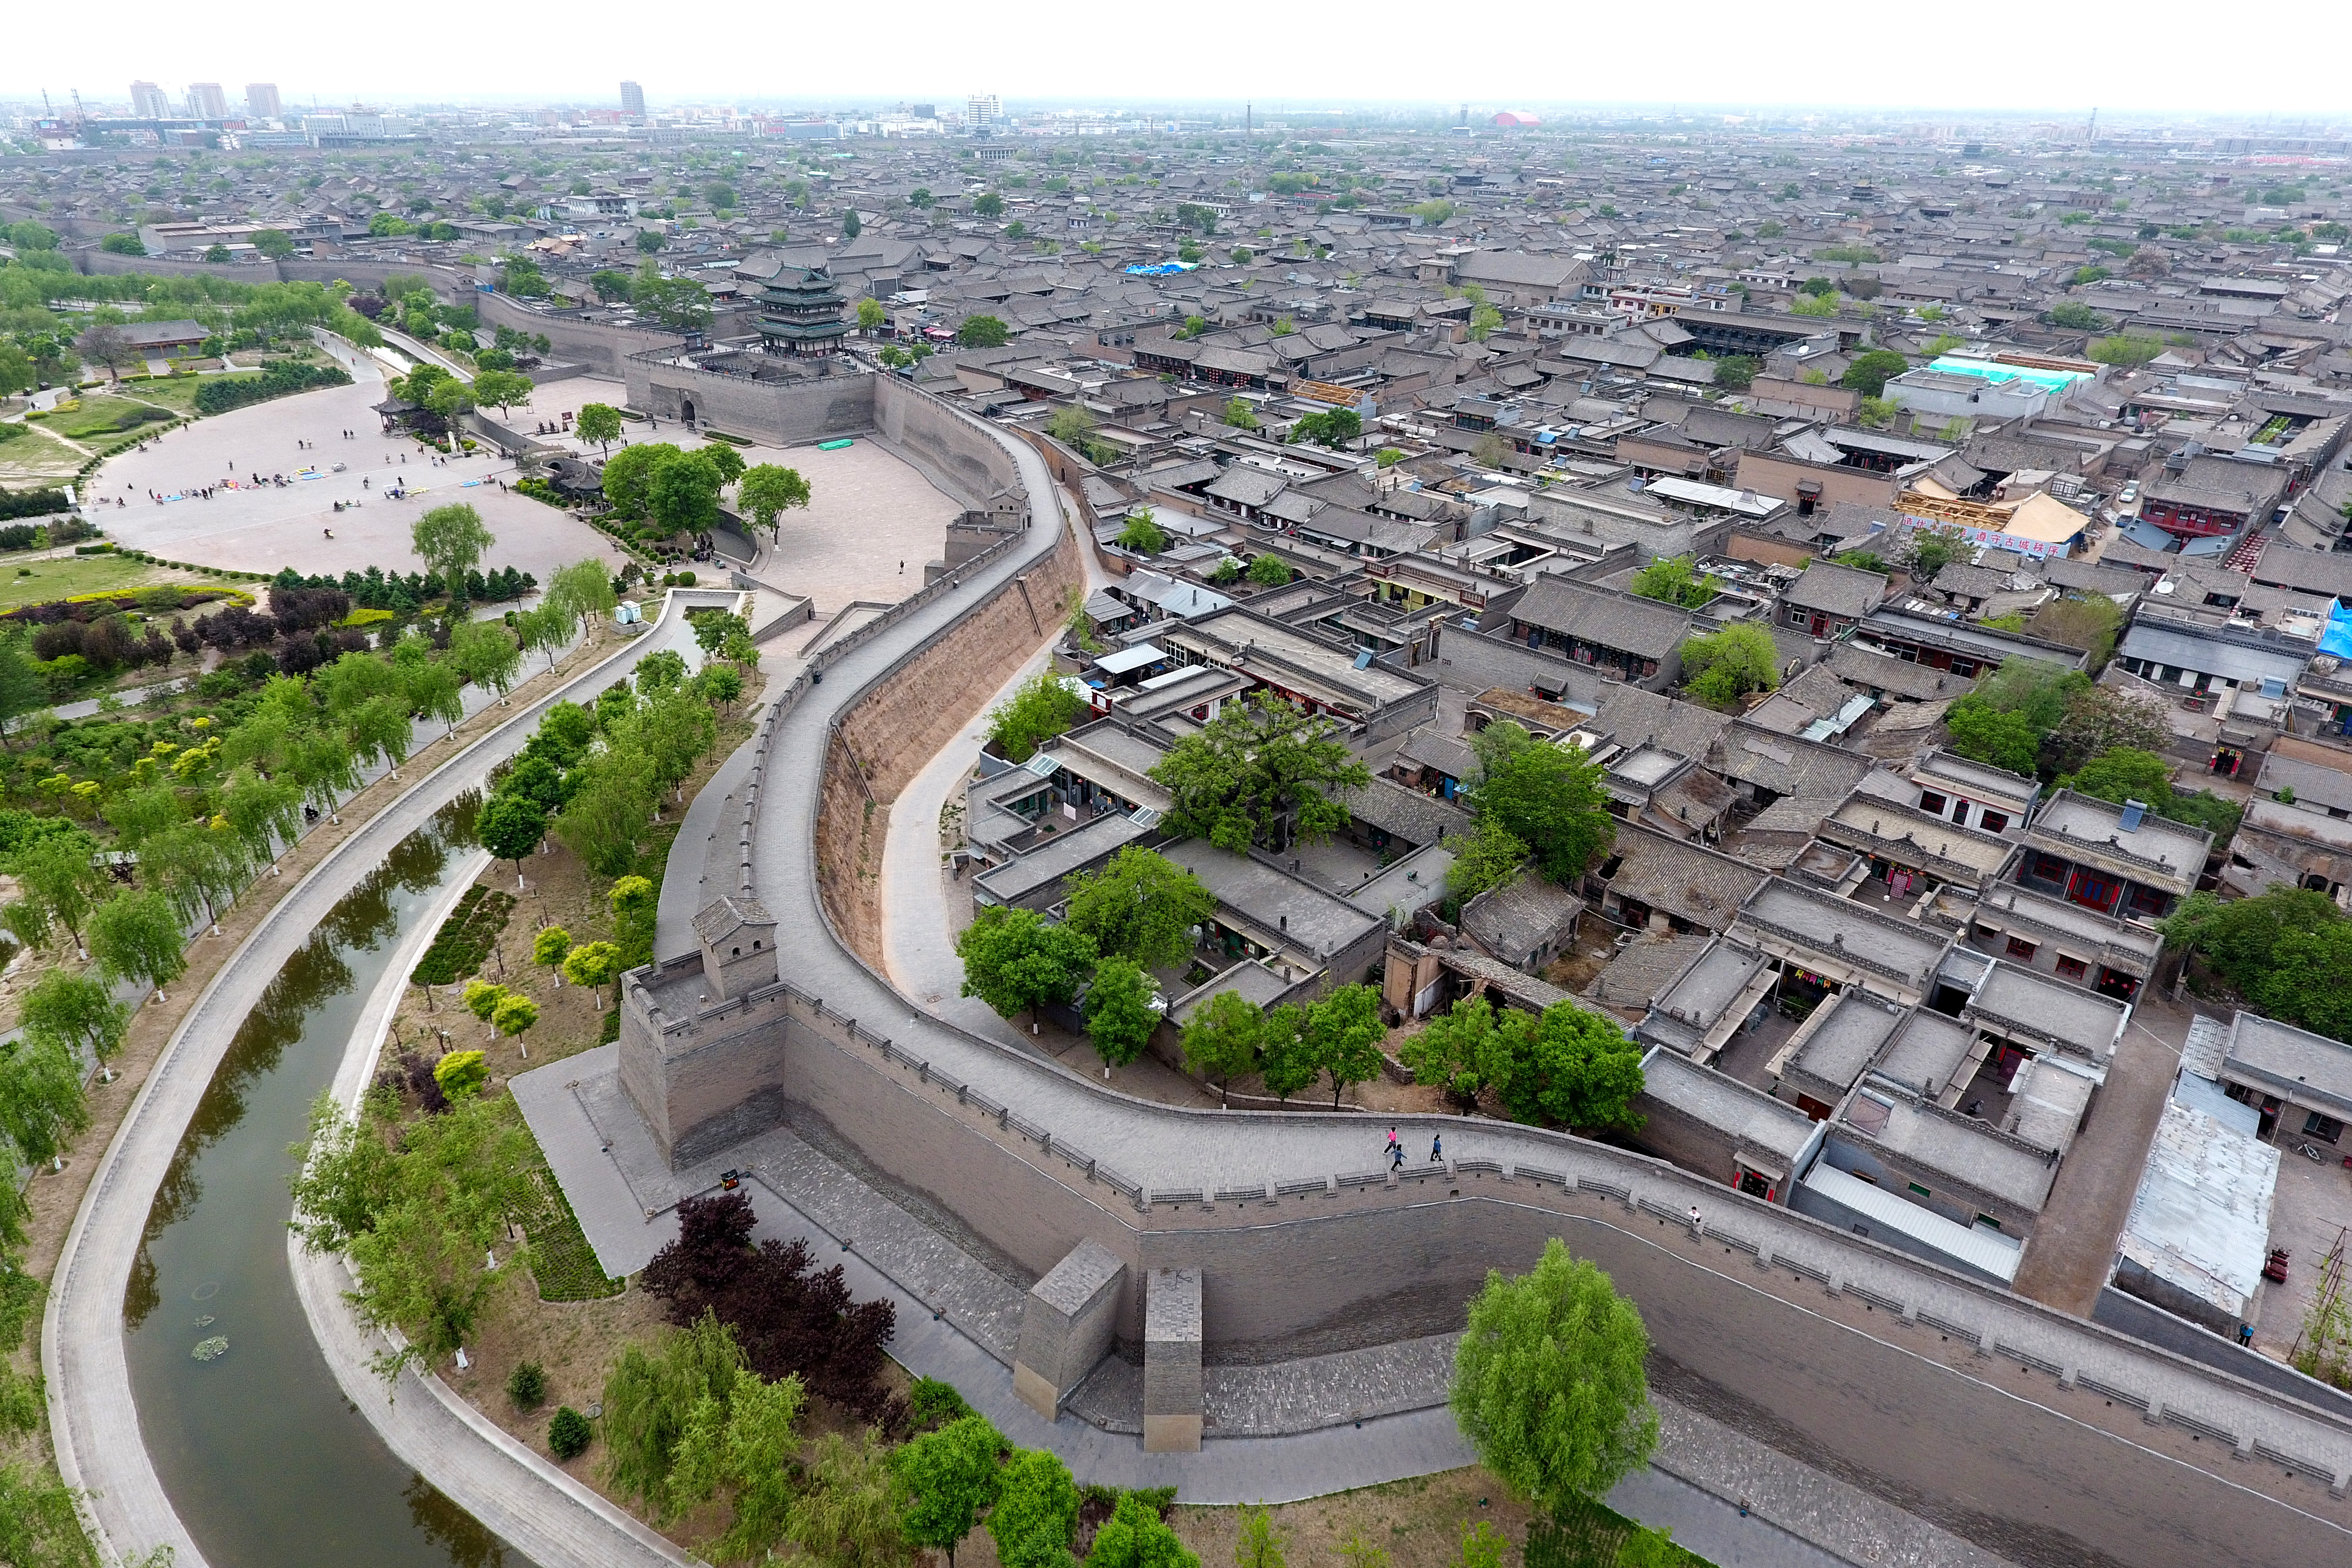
(558, 1520)
(93, 1418)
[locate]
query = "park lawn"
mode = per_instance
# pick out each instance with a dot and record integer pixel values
(178, 395)
(62, 577)
(35, 455)
(102, 421)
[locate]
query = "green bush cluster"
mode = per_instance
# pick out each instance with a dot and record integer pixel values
(569, 1434)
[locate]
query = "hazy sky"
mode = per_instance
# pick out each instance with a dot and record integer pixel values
(1990, 55)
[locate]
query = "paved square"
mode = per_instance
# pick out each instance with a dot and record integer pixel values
(872, 524)
(268, 529)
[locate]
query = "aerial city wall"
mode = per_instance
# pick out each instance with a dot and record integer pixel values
(2042, 1438)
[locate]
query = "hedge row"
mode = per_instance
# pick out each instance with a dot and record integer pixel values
(282, 379)
(33, 503)
(465, 938)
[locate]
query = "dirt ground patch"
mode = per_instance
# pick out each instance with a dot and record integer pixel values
(1418, 1523)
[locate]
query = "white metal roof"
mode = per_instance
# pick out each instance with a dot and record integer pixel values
(1987, 1251)
(1133, 658)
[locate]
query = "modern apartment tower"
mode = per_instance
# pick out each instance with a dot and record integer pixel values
(261, 100)
(633, 100)
(208, 102)
(983, 111)
(148, 103)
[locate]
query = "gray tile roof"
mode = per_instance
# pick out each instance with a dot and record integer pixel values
(1933, 1142)
(1750, 1118)
(1845, 1035)
(1701, 885)
(2294, 1062)
(1642, 627)
(1837, 589)
(1514, 919)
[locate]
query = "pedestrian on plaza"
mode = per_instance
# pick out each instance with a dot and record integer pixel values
(1437, 1149)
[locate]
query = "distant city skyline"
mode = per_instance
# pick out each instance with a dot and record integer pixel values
(1999, 57)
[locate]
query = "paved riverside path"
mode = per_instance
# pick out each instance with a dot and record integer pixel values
(94, 1421)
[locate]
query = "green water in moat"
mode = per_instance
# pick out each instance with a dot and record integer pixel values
(265, 1461)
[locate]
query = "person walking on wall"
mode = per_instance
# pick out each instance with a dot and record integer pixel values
(1437, 1149)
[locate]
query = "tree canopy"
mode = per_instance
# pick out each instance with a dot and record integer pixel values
(1548, 1384)
(1333, 428)
(1141, 907)
(1016, 960)
(1869, 372)
(1118, 1011)
(1673, 580)
(768, 490)
(1548, 797)
(1040, 709)
(1568, 1067)
(1722, 668)
(1260, 772)
(2287, 951)
(1036, 1513)
(599, 423)
(983, 332)
(451, 540)
(946, 1480)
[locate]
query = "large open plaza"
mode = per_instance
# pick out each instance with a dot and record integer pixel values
(871, 524)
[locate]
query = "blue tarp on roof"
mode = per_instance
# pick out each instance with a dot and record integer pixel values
(1161, 268)
(2337, 638)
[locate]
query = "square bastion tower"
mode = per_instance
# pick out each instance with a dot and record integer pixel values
(702, 1035)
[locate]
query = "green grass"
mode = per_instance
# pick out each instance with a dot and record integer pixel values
(1592, 1535)
(179, 395)
(561, 1259)
(36, 455)
(65, 575)
(101, 419)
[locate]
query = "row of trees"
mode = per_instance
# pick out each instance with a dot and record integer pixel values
(1291, 1045)
(678, 490)
(694, 1418)
(198, 817)
(1564, 1068)
(596, 774)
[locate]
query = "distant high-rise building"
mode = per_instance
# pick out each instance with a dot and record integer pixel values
(261, 100)
(983, 111)
(206, 101)
(633, 100)
(148, 103)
